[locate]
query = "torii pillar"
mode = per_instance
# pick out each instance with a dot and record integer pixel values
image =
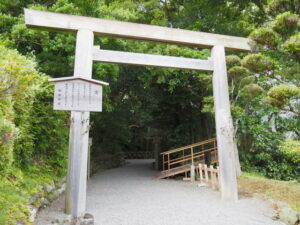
(224, 126)
(75, 203)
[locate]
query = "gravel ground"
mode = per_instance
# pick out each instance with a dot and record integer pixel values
(132, 195)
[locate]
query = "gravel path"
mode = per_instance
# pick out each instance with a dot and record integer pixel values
(131, 195)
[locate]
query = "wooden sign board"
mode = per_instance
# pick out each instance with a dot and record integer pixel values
(78, 94)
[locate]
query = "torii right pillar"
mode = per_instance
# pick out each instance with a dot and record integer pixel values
(224, 126)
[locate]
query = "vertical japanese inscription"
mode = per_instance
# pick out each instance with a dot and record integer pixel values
(78, 95)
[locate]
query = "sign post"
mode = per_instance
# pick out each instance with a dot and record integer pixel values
(80, 94)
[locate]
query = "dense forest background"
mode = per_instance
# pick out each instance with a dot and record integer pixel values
(143, 102)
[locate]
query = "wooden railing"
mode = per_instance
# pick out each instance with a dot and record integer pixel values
(139, 155)
(209, 175)
(204, 151)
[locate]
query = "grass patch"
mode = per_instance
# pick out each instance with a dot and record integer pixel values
(285, 191)
(17, 188)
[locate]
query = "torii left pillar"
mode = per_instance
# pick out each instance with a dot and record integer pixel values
(75, 203)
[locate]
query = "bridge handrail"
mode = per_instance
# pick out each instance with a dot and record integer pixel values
(192, 156)
(190, 146)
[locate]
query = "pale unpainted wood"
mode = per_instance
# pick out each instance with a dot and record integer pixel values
(151, 60)
(111, 28)
(213, 177)
(89, 158)
(79, 133)
(201, 172)
(206, 173)
(209, 175)
(189, 146)
(224, 126)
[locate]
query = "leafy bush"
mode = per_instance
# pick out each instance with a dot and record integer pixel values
(265, 37)
(291, 148)
(33, 137)
(286, 23)
(261, 142)
(233, 60)
(292, 46)
(17, 83)
(258, 63)
(252, 90)
(30, 130)
(281, 94)
(237, 72)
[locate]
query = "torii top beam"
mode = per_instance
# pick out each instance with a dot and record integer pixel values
(111, 28)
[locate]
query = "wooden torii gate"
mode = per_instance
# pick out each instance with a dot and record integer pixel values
(86, 53)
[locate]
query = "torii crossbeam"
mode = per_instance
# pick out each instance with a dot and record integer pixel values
(86, 53)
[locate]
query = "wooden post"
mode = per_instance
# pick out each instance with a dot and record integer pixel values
(89, 158)
(201, 174)
(206, 173)
(156, 142)
(79, 132)
(168, 161)
(212, 177)
(192, 153)
(192, 173)
(224, 126)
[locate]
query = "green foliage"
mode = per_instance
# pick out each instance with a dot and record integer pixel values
(252, 90)
(233, 60)
(291, 148)
(286, 23)
(265, 37)
(8, 132)
(260, 143)
(49, 128)
(292, 46)
(281, 94)
(16, 190)
(265, 95)
(258, 63)
(247, 80)
(33, 139)
(237, 72)
(276, 7)
(18, 78)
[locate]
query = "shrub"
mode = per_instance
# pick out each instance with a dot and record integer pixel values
(252, 90)
(233, 60)
(30, 129)
(237, 72)
(281, 94)
(265, 37)
(291, 148)
(292, 46)
(258, 63)
(286, 23)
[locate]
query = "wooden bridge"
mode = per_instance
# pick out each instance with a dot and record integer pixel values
(179, 160)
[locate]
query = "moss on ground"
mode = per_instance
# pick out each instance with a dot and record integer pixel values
(17, 189)
(283, 191)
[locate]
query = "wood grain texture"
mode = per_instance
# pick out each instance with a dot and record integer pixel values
(79, 132)
(224, 126)
(111, 28)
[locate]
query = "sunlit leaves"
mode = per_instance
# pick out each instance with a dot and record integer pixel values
(281, 94)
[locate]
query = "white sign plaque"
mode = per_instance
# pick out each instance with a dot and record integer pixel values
(78, 95)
